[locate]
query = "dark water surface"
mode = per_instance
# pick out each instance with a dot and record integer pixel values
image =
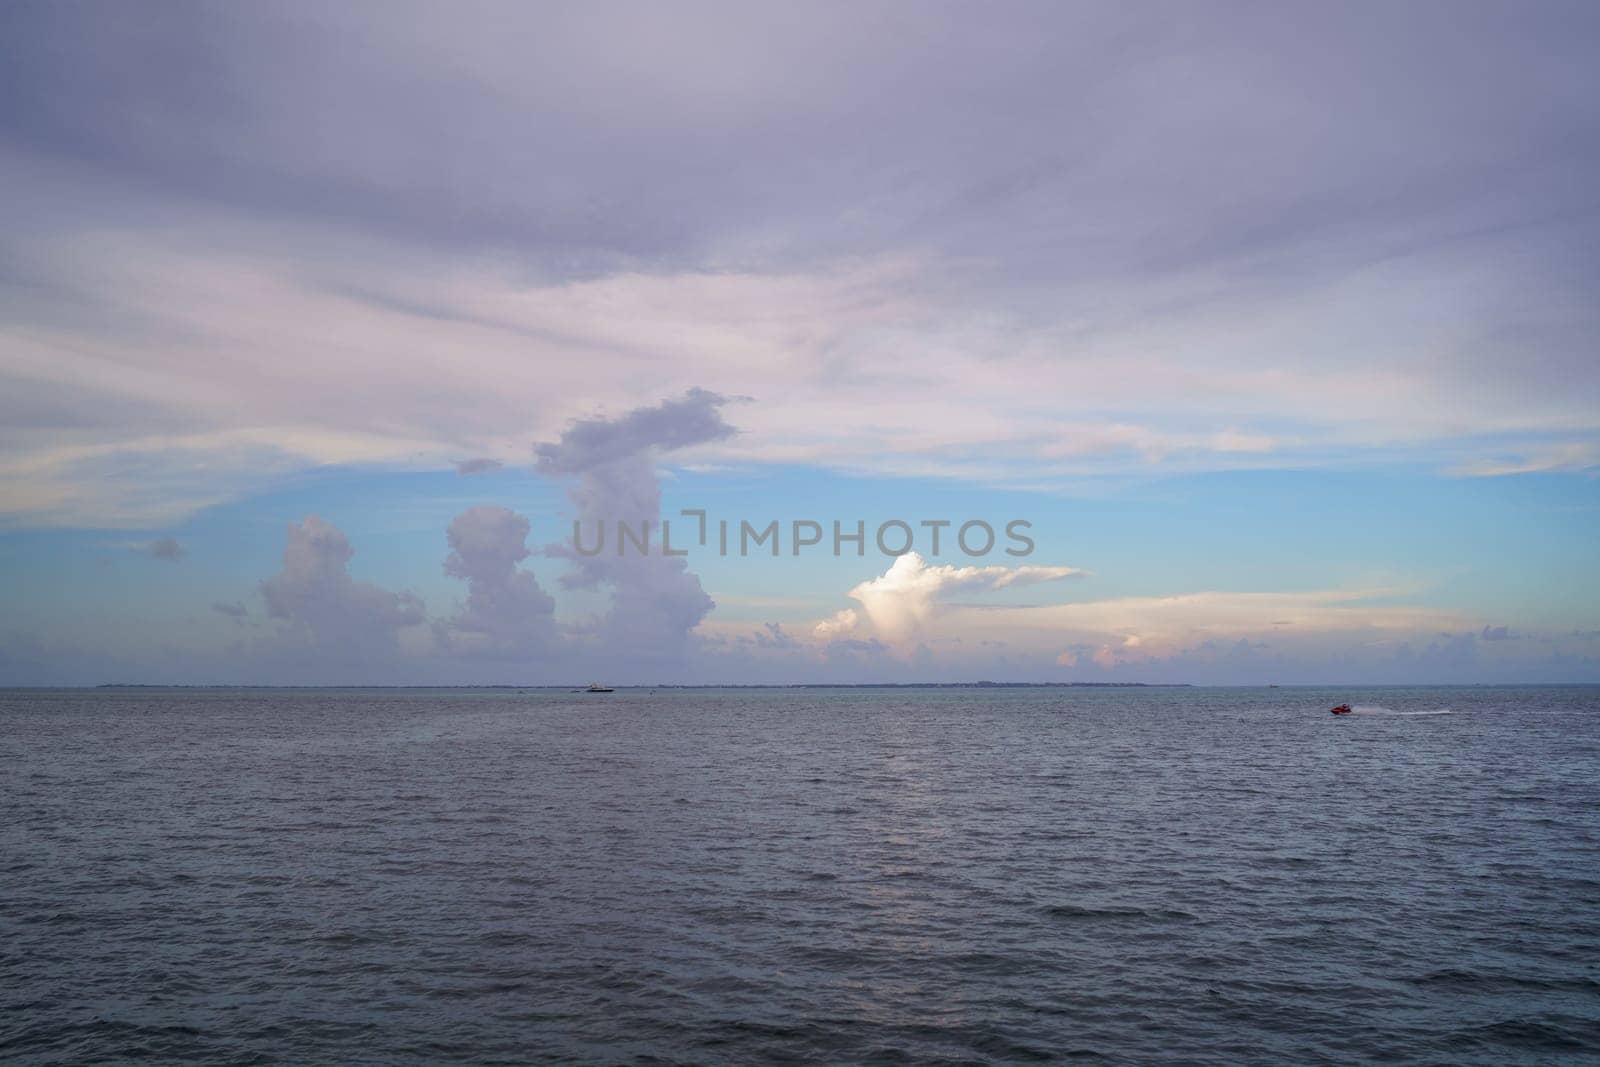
(838, 875)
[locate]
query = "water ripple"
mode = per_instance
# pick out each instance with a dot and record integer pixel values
(1207, 876)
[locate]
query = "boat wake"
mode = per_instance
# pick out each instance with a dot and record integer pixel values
(1379, 709)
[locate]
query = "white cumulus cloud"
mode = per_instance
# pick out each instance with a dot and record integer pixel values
(906, 596)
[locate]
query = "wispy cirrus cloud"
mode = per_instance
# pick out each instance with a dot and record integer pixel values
(1574, 456)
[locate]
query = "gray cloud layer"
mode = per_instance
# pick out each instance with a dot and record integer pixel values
(1027, 243)
(828, 126)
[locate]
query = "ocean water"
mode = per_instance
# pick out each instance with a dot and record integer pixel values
(745, 876)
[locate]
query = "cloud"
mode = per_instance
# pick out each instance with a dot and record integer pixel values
(1081, 440)
(1217, 636)
(915, 611)
(1232, 440)
(1496, 633)
(907, 595)
(326, 615)
(1158, 624)
(772, 635)
(1378, 274)
(1204, 267)
(836, 625)
(165, 549)
(655, 600)
(506, 613)
(1572, 456)
(588, 444)
(477, 466)
(233, 609)
(868, 650)
(1105, 657)
(145, 481)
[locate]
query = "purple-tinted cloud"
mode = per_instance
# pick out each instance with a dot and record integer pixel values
(506, 613)
(1253, 236)
(655, 600)
(165, 549)
(693, 419)
(773, 635)
(1028, 247)
(333, 616)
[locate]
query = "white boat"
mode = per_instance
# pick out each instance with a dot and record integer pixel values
(596, 687)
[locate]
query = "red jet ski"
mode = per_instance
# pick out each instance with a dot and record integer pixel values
(1342, 709)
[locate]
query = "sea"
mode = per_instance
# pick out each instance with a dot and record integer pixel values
(739, 876)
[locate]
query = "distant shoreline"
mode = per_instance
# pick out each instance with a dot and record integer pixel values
(671, 685)
(980, 685)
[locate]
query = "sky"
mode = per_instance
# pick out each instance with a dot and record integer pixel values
(1262, 338)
